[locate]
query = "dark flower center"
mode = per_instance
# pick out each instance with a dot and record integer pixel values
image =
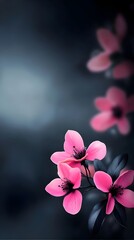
(67, 185)
(79, 154)
(116, 190)
(117, 112)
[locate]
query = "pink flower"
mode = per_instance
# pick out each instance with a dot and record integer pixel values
(75, 152)
(67, 185)
(125, 69)
(116, 191)
(111, 43)
(114, 108)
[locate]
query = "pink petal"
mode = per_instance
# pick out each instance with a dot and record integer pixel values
(102, 121)
(117, 96)
(72, 202)
(123, 70)
(110, 204)
(96, 150)
(123, 126)
(108, 40)
(125, 179)
(59, 156)
(120, 26)
(74, 164)
(103, 181)
(54, 188)
(130, 104)
(102, 104)
(71, 174)
(126, 199)
(73, 139)
(99, 63)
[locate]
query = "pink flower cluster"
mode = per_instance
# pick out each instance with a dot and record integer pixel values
(69, 164)
(115, 106)
(69, 167)
(76, 161)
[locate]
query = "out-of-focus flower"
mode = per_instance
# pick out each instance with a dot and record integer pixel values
(75, 152)
(67, 184)
(114, 108)
(117, 190)
(111, 43)
(125, 69)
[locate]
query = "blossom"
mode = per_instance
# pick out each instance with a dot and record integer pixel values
(67, 185)
(75, 152)
(114, 108)
(117, 190)
(111, 43)
(125, 69)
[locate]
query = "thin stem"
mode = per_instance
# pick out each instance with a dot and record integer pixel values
(87, 175)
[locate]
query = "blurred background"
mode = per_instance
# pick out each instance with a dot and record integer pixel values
(45, 89)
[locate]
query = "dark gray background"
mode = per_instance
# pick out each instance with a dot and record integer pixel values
(45, 89)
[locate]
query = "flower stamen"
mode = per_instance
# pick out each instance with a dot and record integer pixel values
(66, 185)
(79, 154)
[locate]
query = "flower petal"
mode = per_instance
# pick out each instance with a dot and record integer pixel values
(102, 104)
(123, 70)
(73, 140)
(130, 104)
(123, 126)
(120, 26)
(74, 164)
(125, 179)
(54, 188)
(110, 204)
(72, 202)
(108, 40)
(117, 96)
(69, 173)
(96, 150)
(99, 63)
(103, 181)
(102, 121)
(126, 199)
(59, 156)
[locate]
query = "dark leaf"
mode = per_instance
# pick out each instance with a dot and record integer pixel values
(99, 166)
(117, 165)
(97, 217)
(120, 214)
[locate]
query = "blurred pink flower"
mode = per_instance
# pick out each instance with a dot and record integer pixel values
(67, 184)
(114, 108)
(116, 191)
(111, 43)
(125, 69)
(75, 152)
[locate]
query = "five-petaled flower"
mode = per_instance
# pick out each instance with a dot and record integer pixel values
(114, 108)
(67, 184)
(111, 43)
(116, 191)
(75, 152)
